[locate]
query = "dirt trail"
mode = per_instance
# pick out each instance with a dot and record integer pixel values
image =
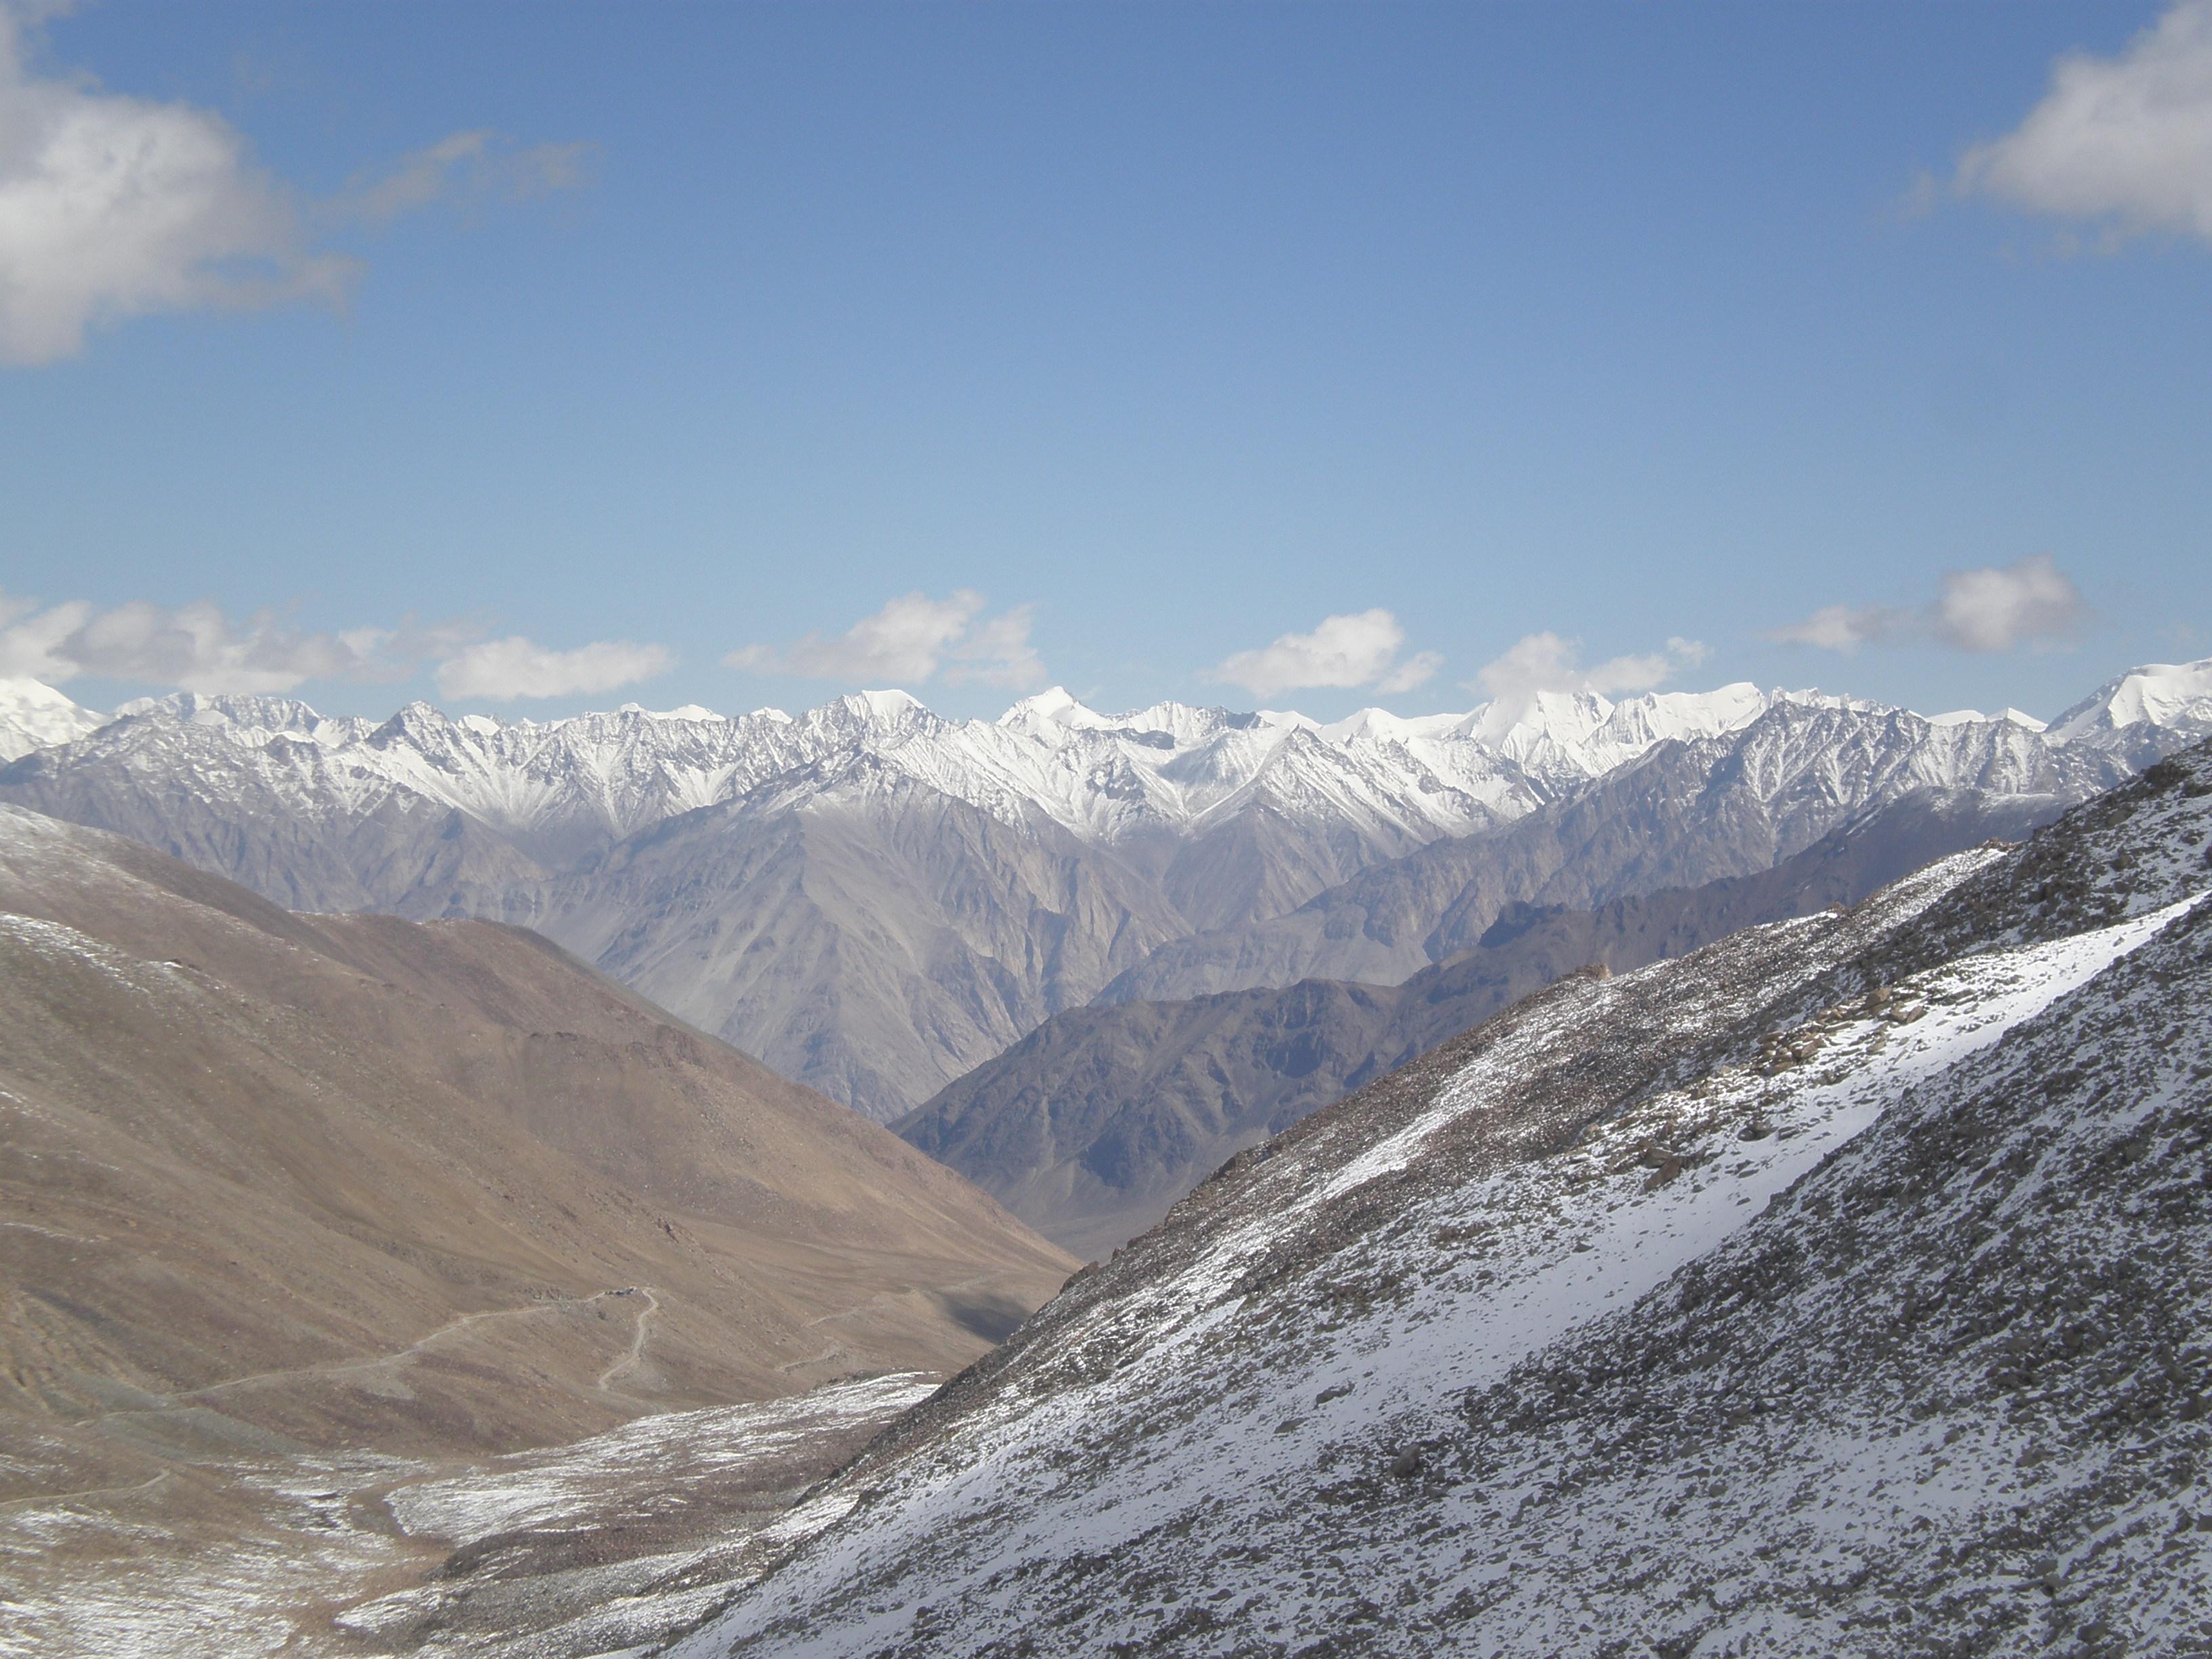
(88, 1491)
(628, 1363)
(342, 1367)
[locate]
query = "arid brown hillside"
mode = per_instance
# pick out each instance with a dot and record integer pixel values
(270, 1180)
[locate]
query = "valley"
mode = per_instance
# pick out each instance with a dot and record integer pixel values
(1193, 831)
(298, 1213)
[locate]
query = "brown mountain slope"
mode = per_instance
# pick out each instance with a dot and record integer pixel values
(272, 1180)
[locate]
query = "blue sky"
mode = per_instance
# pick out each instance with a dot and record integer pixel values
(633, 351)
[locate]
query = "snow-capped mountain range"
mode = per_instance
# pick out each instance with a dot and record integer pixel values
(1171, 766)
(874, 899)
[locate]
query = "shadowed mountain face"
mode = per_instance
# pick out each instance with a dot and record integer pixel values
(272, 1181)
(1094, 1124)
(1849, 1268)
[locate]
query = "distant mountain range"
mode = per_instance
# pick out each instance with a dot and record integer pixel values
(875, 900)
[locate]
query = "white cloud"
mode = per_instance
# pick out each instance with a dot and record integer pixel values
(1417, 670)
(1550, 662)
(998, 653)
(503, 670)
(464, 167)
(1356, 648)
(2031, 602)
(113, 207)
(195, 647)
(2124, 141)
(1844, 629)
(1991, 608)
(908, 642)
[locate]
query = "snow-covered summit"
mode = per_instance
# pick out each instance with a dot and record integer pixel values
(33, 715)
(1050, 715)
(2166, 696)
(1975, 717)
(690, 711)
(891, 705)
(244, 710)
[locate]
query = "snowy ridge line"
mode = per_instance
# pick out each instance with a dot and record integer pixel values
(1102, 776)
(1900, 902)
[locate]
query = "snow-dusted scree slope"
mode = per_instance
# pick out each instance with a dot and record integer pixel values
(1821, 1292)
(874, 900)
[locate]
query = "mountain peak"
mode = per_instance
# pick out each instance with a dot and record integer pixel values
(1049, 713)
(2007, 716)
(892, 709)
(891, 702)
(2168, 695)
(1521, 724)
(33, 715)
(417, 716)
(254, 711)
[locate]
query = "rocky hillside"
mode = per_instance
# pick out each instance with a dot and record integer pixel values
(1089, 1127)
(1839, 1288)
